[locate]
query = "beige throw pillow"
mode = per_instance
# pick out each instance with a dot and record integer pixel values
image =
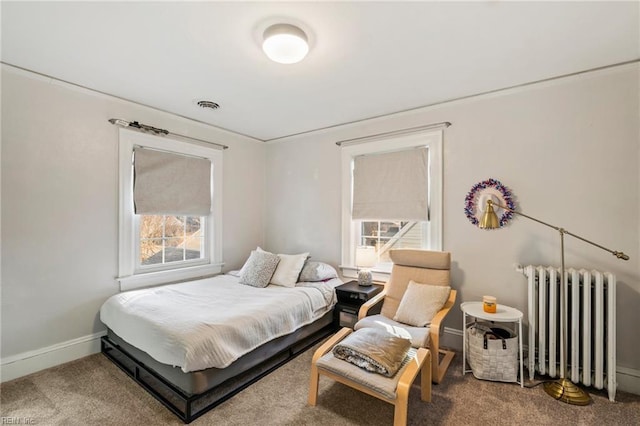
(288, 269)
(420, 303)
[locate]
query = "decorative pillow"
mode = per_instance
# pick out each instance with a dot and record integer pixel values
(246, 262)
(317, 271)
(259, 268)
(420, 303)
(288, 269)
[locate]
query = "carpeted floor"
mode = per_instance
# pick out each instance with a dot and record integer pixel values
(94, 391)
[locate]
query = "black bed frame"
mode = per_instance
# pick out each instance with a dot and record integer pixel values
(189, 407)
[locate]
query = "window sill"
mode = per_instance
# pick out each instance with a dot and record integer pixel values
(149, 279)
(352, 272)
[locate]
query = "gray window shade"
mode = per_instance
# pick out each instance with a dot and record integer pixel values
(392, 185)
(175, 184)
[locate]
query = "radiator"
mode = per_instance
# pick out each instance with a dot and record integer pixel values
(591, 325)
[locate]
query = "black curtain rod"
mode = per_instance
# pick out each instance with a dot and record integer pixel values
(157, 131)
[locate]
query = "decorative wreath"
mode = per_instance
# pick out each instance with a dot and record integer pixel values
(470, 201)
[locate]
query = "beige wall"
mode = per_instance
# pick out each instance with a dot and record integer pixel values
(569, 151)
(60, 205)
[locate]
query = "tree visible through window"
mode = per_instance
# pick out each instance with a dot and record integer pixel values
(166, 239)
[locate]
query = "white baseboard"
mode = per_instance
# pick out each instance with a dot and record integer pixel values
(452, 338)
(30, 362)
(628, 379)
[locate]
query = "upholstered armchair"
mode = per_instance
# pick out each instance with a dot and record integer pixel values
(423, 267)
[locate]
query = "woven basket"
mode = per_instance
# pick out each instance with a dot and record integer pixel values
(492, 352)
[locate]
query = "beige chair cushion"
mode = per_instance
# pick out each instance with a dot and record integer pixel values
(419, 336)
(421, 266)
(383, 385)
(421, 258)
(420, 303)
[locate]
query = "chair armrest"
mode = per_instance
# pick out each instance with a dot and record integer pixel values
(364, 309)
(436, 322)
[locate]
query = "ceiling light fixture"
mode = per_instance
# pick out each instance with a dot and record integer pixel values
(285, 43)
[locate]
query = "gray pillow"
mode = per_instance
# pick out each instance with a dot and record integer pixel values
(317, 271)
(259, 268)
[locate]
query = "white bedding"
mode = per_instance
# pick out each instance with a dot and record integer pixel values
(214, 321)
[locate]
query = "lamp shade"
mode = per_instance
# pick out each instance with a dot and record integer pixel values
(366, 257)
(489, 218)
(285, 43)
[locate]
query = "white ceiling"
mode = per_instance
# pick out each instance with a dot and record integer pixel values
(366, 59)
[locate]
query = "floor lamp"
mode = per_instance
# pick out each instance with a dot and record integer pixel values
(562, 389)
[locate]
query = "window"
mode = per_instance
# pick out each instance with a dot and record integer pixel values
(161, 244)
(386, 235)
(167, 240)
(397, 232)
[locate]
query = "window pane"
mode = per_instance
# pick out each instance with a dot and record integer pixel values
(387, 235)
(167, 239)
(151, 251)
(174, 226)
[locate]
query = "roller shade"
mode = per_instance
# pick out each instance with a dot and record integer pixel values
(166, 183)
(391, 186)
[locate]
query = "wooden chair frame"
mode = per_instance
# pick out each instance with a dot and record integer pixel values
(401, 402)
(438, 366)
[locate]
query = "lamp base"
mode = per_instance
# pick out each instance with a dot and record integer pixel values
(564, 390)
(365, 278)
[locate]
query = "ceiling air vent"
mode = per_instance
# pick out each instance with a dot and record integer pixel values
(208, 104)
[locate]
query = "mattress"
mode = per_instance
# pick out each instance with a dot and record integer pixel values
(214, 321)
(271, 353)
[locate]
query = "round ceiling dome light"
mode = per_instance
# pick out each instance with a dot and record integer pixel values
(285, 43)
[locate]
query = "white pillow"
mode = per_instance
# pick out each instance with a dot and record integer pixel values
(288, 269)
(420, 303)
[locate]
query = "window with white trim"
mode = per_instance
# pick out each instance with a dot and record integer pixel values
(170, 212)
(417, 226)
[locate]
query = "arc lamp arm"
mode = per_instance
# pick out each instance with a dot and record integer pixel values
(618, 254)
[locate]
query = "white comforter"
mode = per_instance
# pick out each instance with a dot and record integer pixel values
(214, 321)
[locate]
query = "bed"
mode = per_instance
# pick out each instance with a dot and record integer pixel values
(184, 344)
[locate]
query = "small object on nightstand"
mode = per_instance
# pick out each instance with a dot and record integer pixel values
(351, 296)
(365, 279)
(365, 258)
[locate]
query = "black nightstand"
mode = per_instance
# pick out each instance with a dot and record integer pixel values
(350, 297)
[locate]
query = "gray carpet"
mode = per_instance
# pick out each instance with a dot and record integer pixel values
(94, 391)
